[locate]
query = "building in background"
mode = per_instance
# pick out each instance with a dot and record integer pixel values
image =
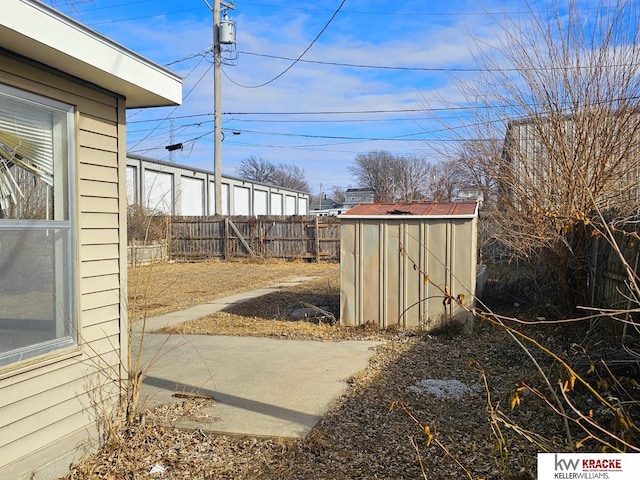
(352, 197)
(356, 196)
(174, 189)
(551, 161)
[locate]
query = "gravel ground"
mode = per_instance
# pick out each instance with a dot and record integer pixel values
(421, 409)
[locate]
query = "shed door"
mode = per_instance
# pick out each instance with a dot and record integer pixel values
(132, 185)
(159, 188)
(290, 205)
(225, 199)
(302, 206)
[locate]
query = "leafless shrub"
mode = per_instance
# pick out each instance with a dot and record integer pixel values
(144, 225)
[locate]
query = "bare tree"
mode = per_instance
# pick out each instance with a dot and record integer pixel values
(473, 164)
(291, 176)
(257, 169)
(375, 170)
(396, 178)
(561, 89)
(410, 175)
(281, 175)
(443, 181)
(337, 193)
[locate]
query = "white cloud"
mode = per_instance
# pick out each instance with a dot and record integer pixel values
(368, 32)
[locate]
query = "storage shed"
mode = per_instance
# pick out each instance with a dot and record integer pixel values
(64, 91)
(410, 265)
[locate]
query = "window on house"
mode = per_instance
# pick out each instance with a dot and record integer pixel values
(37, 313)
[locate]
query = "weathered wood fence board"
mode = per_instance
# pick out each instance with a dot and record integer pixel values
(610, 280)
(198, 238)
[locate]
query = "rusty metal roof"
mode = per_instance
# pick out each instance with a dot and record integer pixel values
(391, 210)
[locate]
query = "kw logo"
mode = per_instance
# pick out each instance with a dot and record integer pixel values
(563, 465)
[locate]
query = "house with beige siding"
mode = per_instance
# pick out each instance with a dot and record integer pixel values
(64, 91)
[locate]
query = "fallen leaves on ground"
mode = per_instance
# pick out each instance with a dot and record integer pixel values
(361, 437)
(382, 427)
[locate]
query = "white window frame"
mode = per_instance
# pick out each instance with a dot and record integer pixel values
(60, 231)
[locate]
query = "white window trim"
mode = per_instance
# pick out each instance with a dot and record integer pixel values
(70, 316)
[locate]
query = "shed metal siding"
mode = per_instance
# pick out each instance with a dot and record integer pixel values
(53, 398)
(398, 269)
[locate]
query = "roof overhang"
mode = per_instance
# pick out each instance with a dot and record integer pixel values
(39, 32)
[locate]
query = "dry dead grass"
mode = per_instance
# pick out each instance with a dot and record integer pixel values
(162, 288)
(361, 437)
(271, 314)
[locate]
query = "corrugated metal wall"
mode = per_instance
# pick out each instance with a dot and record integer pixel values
(399, 271)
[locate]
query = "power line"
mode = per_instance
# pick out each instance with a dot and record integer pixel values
(351, 112)
(338, 112)
(303, 9)
(373, 67)
(437, 69)
(415, 14)
(299, 57)
(179, 117)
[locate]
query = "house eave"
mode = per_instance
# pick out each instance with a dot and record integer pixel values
(41, 33)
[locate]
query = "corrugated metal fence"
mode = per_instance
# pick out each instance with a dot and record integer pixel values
(296, 237)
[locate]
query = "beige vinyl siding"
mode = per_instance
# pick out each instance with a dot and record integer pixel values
(98, 237)
(91, 188)
(99, 157)
(98, 252)
(55, 397)
(98, 268)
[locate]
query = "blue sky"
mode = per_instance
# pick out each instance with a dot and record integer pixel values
(415, 46)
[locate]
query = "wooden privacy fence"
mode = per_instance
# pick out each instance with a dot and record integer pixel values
(609, 278)
(199, 238)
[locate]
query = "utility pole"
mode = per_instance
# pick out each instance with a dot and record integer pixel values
(217, 102)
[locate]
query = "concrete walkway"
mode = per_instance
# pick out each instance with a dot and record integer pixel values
(198, 311)
(261, 387)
